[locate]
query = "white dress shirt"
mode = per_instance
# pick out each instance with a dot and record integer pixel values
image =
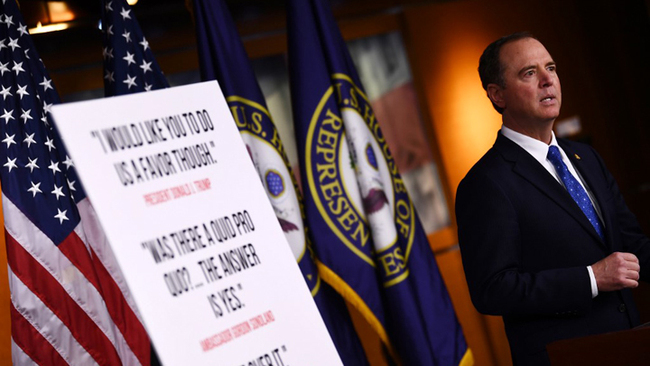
(539, 150)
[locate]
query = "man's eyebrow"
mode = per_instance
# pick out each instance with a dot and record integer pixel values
(531, 67)
(526, 68)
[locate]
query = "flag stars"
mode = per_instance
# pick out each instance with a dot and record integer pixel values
(5, 92)
(9, 140)
(129, 58)
(36, 188)
(22, 91)
(61, 215)
(46, 84)
(22, 29)
(3, 67)
(54, 167)
(13, 43)
(125, 14)
(71, 185)
(47, 107)
(110, 76)
(58, 191)
(68, 162)
(127, 36)
(7, 115)
(109, 6)
(2, 44)
(146, 66)
(32, 165)
(130, 81)
(145, 44)
(49, 143)
(109, 30)
(26, 115)
(18, 67)
(147, 86)
(108, 53)
(8, 19)
(10, 164)
(29, 140)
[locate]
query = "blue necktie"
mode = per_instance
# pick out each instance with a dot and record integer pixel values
(574, 188)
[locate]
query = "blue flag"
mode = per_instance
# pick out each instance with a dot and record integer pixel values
(129, 64)
(367, 234)
(222, 57)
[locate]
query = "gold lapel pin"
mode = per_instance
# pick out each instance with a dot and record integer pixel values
(577, 157)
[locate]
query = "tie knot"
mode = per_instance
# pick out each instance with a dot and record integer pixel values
(554, 154)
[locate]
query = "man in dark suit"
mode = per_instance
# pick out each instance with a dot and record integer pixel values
(545, 236)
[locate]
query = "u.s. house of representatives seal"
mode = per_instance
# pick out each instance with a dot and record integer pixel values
(267, 152)
(355, 184)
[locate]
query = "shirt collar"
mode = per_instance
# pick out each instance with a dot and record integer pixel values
(534, 147)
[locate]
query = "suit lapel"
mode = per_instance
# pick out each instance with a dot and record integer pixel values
(530, 169)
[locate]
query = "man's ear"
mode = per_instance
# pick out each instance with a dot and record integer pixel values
(495, 93)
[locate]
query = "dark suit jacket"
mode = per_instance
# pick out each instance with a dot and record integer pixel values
(525, 246)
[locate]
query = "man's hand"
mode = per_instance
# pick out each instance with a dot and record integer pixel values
(617, 271)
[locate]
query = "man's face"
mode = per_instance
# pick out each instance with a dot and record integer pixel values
(532, 93)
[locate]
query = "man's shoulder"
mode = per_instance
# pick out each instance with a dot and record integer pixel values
(490, 160)
(494, 160)
(491, 169)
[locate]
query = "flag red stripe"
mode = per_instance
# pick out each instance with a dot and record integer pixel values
(121, 313)
(77, 252)
(55, 297)
(32, 342)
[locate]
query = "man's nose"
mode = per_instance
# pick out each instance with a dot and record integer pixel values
(546, 79)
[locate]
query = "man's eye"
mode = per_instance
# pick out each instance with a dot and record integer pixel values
(529, 73)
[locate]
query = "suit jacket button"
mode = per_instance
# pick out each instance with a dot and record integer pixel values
(621, 308)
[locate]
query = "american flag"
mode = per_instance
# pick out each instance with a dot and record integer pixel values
(129, 64)
(69, 302)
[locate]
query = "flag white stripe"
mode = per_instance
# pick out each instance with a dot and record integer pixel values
(18, 357)
(43, 250)
(47, 323)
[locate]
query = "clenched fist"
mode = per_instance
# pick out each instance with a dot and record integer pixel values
(617, 271)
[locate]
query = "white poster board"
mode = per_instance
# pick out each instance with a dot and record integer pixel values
(192, 229)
